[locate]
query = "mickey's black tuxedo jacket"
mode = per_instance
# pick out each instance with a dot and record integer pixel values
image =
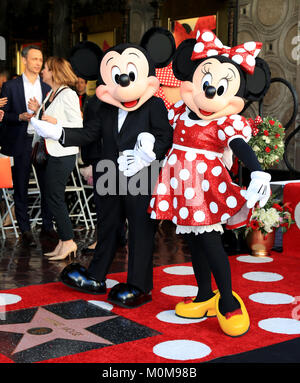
(151, 117)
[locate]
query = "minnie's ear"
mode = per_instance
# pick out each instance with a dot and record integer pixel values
(259, 82)
(160, 46)
(183, 66)
(85, 60)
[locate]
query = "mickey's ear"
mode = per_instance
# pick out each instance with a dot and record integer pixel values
(85, 60)
(160, 46)
(183, 66)
(258, 83)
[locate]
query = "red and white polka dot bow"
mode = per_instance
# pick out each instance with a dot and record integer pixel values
(208, 45)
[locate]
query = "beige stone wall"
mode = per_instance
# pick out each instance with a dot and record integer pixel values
(276, 23)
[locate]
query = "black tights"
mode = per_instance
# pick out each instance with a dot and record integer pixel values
(209, 256)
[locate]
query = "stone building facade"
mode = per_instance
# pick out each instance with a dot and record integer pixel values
(277, 24)
(60, 24)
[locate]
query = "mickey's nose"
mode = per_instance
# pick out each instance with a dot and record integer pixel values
(124, 80)
(210, 91)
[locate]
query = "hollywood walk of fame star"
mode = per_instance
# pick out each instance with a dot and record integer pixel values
(46, 326)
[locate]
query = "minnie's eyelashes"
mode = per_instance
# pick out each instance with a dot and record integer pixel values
(205, 71)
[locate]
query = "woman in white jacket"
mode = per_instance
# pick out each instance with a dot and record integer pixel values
(60, 106)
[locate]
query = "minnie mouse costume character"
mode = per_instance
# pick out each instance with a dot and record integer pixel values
(130, 121)
(194, 189)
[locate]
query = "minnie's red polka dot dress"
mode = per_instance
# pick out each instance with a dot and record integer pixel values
(194, 188)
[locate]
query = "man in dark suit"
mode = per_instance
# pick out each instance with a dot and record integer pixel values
(17, 135)
(81, 91)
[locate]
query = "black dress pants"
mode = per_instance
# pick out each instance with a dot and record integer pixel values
(113, 210)
(57, 173)
(97, 202)
(21, 174)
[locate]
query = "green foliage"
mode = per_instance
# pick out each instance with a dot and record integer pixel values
(267, 141)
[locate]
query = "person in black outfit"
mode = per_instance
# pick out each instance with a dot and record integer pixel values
(81, 85)
(61, 104)
(133, 122)
(17, 135)
(90, 155)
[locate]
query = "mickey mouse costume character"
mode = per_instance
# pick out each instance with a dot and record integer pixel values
(130, 121)
(194, 189)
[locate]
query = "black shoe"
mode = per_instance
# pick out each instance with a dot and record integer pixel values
(128, 296)
(78, 278)
(27, 239)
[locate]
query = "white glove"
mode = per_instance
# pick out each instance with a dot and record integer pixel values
(46, 129)
(259, 189)
(130, 163)
(144, 147)
(125, 160)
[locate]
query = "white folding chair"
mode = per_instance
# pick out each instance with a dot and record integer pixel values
(6, 186)
(77, 187)
(34, 196)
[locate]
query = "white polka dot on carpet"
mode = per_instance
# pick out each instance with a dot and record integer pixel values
(9, 299)
(272, 298)
(179, 270)
(261, 276)
(181, 350)
(180, 290)
(297, 215)
(169, 316)
(111, 283)
(280, 325)
(102, 304)
(251, 259)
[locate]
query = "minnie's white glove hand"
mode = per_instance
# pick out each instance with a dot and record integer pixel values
(259, 189)
(144, 147)
(46, 129)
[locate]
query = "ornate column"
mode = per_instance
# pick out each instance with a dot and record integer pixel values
(233, 19)
(61, 28)
(50, 28)
(156, 4)
(141, 19)
(126, 23)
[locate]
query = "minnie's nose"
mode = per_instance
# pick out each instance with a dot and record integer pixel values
(210, 91)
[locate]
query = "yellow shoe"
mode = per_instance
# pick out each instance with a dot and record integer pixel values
(197, 310)
(236, 324)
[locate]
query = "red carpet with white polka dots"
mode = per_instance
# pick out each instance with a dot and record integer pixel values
(270, 288)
